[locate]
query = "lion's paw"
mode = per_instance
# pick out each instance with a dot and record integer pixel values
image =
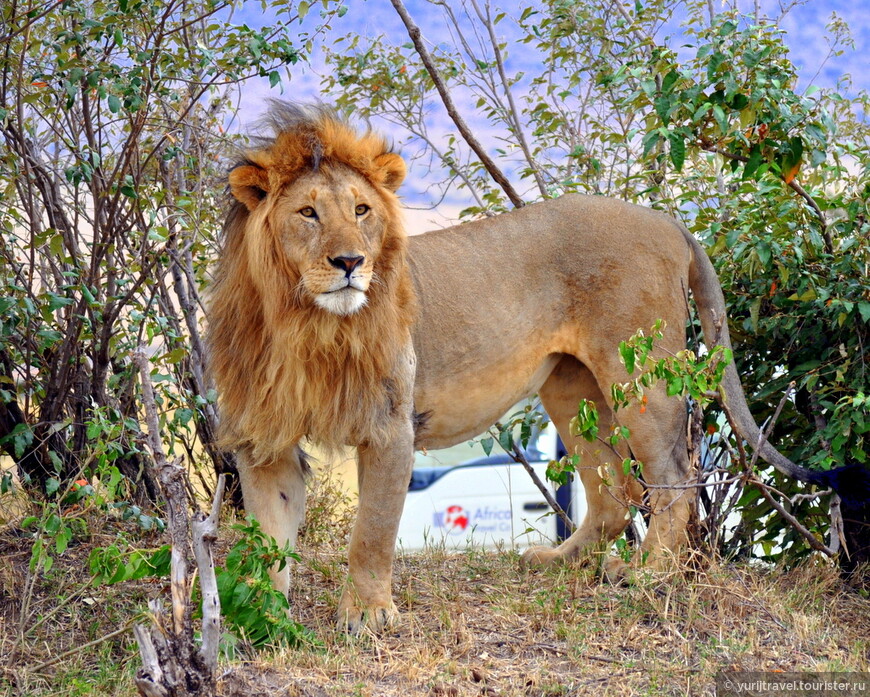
(355, 618)
(540, 556)
(617, 572)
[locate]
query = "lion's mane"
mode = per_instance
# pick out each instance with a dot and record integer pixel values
(284, 368)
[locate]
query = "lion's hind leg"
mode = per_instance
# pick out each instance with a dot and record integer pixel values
(274, 493)
(607, 502)
(658, 442)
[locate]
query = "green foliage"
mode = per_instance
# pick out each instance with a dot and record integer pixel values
(66, 515)
(561, 471)
(252, 609)
(585, 424)
(113, 157)
(111, 564)
(792, 255)
(517, 428)
(735, 98)
(52, 533)
(684, 374)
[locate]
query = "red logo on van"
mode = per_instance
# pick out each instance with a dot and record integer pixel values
(455, 519)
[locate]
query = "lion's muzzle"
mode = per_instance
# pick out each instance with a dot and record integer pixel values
(343, 301)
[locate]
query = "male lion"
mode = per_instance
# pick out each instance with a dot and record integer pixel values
(327, 322)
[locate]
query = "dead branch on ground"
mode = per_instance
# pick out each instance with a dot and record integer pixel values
(173, 664)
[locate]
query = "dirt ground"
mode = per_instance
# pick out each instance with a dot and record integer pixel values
(471, 624)
(474, 624)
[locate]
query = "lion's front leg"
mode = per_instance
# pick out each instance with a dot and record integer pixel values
(274, 493)
(384, 473)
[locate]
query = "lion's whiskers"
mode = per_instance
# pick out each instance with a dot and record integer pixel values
(298, 292)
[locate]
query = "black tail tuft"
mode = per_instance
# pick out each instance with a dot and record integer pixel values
(852, 483)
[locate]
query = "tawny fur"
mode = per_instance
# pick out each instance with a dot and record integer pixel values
(284, 369)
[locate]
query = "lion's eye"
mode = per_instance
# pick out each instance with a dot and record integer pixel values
(308, 212)
(362, 209)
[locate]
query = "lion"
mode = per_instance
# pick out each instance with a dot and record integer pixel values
(328, 323)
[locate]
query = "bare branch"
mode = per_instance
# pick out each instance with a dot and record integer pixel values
(204, 529)
(513, 113)
(519, 456)
(811, 539)
(169, 653)
(826, 234)
(425, 56)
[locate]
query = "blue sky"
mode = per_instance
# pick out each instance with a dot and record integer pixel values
(804, 24)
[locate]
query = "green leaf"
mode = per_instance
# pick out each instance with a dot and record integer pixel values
(762, 249)
(52, 525)
(55, 245)
(727, 28)
(677, 151)
(649, 142)
(739, 102)
(669, 81)
(114, 104)
(486, 444)
(55, 302)
(176, 355)
(506, 440)
(755, 159)
(754, 309)
(183, 416)
(721, 118)
(663, 106)
(628, 356)
(21, 437)
(62, 539)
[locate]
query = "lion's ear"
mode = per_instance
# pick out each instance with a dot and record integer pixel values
(249, 184)
(391, 170)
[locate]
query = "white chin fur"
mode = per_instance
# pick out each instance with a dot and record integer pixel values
(342, 302)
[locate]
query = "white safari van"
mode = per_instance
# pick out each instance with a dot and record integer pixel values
(460, 497)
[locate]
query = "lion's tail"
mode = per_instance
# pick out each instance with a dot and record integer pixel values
(711, 309)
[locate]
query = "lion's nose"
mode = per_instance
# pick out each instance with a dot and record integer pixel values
(346, 264)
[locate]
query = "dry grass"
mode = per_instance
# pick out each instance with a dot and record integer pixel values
(471, 624)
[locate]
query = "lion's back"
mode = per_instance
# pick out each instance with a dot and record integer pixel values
(532, 250)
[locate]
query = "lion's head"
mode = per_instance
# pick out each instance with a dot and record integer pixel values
(312, 300)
